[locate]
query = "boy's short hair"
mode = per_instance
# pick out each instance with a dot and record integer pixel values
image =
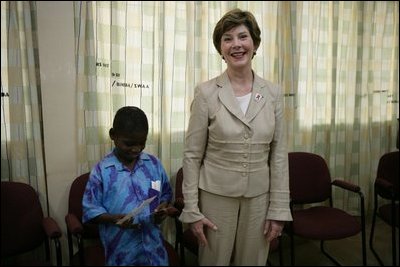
(130, 119)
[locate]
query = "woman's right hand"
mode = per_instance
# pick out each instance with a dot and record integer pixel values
(198, 230)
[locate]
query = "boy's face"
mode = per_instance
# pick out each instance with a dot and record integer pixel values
(129, 146)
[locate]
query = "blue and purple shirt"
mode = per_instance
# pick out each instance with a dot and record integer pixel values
(113, 188)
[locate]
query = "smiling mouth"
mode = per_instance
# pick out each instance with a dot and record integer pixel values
(238, 54)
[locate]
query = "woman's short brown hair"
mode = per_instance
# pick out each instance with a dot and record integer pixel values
(232, 19)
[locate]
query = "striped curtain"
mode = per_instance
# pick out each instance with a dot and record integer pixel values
(337, 63)
(150, 54)
(22, 156)
(345, 100)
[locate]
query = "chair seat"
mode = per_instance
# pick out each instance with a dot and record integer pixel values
(94, 255)
(324, 223)
(385, 213)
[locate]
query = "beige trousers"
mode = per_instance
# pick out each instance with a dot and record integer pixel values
(239, 240)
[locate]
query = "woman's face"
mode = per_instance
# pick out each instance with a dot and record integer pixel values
(237, 47)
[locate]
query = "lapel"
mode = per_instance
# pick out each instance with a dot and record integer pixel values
(228, 99)
(258, 98)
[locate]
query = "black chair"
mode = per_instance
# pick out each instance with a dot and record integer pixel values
(386, 189)
(185, 239)
(310, 183)
(24, 228)
(85, 237)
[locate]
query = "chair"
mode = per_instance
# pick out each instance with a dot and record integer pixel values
(90, 250)
(386, 187)
(24, 228)
(185, 239)
(310, 183)
(85, 237)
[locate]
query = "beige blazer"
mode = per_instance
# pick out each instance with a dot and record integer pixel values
(227, 152)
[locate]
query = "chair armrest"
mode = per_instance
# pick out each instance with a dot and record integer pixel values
(74, 225)
(353, 188)
(53, 231)
(51, 228)
(383, 184)
(173, 212)
(347, 185)
(385, 188)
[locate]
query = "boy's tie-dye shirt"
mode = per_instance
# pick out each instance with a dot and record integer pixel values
(113, 188)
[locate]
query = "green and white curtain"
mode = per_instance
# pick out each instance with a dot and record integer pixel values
(22, 156)
(337, 63)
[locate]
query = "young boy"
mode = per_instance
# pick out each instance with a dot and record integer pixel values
(121, 182)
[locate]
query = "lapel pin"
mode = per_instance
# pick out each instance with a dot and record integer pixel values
(258, 97)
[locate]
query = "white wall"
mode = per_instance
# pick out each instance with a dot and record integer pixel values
(57, 73)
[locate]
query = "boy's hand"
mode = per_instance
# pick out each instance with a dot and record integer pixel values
(128, 224)
(162, 211)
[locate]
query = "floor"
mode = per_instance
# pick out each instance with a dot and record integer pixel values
(347, 251)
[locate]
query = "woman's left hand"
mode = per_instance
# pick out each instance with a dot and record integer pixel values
(273, 229)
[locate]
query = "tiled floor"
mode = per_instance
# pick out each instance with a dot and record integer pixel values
(347, 251)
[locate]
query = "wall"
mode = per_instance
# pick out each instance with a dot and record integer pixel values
(57, 71)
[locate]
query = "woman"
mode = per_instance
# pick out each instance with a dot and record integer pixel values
(235, 167)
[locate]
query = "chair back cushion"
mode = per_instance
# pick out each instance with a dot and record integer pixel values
(76, 195)
(309, 178)
(75, 205)
(21, 219)
(178, 190)
(388, 169)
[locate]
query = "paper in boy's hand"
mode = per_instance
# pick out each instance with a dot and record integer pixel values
(136, 210)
